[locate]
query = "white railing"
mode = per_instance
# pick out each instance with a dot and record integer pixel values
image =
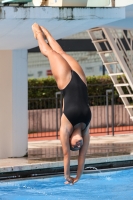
(116, 52)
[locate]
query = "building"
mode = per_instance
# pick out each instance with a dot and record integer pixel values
(38, 65)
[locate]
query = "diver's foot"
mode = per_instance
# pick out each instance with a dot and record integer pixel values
(45, 31)
(36, 30)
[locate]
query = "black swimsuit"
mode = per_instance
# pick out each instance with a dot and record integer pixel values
(76, 107)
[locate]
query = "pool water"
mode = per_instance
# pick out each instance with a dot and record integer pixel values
(113, 185)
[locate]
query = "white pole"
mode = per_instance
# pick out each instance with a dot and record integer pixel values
(13, 103)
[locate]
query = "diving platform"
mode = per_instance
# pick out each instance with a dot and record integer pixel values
(16, 22)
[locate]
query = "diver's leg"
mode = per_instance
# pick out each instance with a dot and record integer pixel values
(60, 68)
(56, 47)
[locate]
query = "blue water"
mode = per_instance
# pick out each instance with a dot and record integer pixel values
(115, 185)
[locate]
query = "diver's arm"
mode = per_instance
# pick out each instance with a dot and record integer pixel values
(66, 152)
(82, 154)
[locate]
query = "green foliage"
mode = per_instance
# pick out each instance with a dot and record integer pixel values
(46, 87)
(41, 92)
(42, 88)
(97, 85)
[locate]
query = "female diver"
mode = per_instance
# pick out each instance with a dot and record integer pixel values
(70, 79)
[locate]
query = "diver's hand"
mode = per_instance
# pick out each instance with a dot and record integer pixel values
(76, 180)
(71, 180)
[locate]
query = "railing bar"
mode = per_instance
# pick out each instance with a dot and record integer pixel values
(126, 40)
(122, 47)
(131, 43)
(41, 116)
(33, 116)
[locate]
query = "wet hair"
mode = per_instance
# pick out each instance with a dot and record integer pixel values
(75, 148)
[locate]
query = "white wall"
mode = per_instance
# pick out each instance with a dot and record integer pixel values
(119, 3)
(99, 3)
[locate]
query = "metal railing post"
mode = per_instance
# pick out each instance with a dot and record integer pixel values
(113, 110)
(107, 113)
(56, 96)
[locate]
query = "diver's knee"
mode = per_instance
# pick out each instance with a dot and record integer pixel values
(47, 53)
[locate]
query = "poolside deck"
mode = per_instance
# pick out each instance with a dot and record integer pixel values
(48, 154)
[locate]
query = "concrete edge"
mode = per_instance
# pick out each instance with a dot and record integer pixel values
(46, 165)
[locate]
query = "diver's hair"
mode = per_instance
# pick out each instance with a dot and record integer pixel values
(74, 149)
